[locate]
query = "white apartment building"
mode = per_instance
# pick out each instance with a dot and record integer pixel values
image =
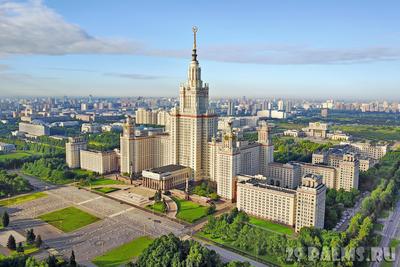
(303, 207)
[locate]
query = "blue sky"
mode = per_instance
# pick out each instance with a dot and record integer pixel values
(314, 49)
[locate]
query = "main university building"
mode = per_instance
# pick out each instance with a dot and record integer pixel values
(190, 148)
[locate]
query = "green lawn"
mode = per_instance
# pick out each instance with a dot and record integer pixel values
(123, 254)
(190, 211)
(22, 199)
(229, 246)
(106, 190)
(69, 219)
(157, 207)
(270, 226)
(104, 181)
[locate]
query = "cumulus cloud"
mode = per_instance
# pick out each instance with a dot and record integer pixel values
(134, 76)
(31, 28)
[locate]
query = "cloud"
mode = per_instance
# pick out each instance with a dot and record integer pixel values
(283, 54)
(31, 28)
(134, 76)
(4, 67)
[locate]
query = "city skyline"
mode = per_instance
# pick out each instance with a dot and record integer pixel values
(316, 53)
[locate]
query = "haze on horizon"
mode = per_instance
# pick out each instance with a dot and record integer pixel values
(313, 49)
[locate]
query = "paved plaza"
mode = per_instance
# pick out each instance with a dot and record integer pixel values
(119, 223)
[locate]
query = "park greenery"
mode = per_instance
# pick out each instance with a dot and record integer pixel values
(169, 250)
(206, 189)
(11, 184)
(290, 149)
(69, 219)
(104, 141)
(376, 133)
(54, 170)
(335, 204)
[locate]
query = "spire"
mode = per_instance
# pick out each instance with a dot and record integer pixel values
(194, 54)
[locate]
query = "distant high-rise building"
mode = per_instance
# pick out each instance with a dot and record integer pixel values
(281, 106)
(231, 108)
(324, 112)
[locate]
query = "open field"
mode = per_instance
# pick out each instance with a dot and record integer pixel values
(22, 199)
(123, 254)
(270, 226)
(190, 211)
(69, 219)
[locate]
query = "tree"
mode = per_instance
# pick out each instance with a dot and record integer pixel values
(5, 219)
(30, 236)
(11, 243)
(38, 241)
(211, 209)
(157, 196)
(20, 248)
(72, 262)
(51, 261)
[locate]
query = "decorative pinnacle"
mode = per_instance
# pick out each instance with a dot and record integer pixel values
(194, 29)
(194, 54)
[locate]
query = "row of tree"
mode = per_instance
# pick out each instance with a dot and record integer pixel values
(11, 184)
(53, 170)
(206, 189)
(336, 202)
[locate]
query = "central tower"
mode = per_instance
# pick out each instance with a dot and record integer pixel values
(193, 95)
(193, 124)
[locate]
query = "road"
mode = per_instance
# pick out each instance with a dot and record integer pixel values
(228, 255)
(389, 232)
